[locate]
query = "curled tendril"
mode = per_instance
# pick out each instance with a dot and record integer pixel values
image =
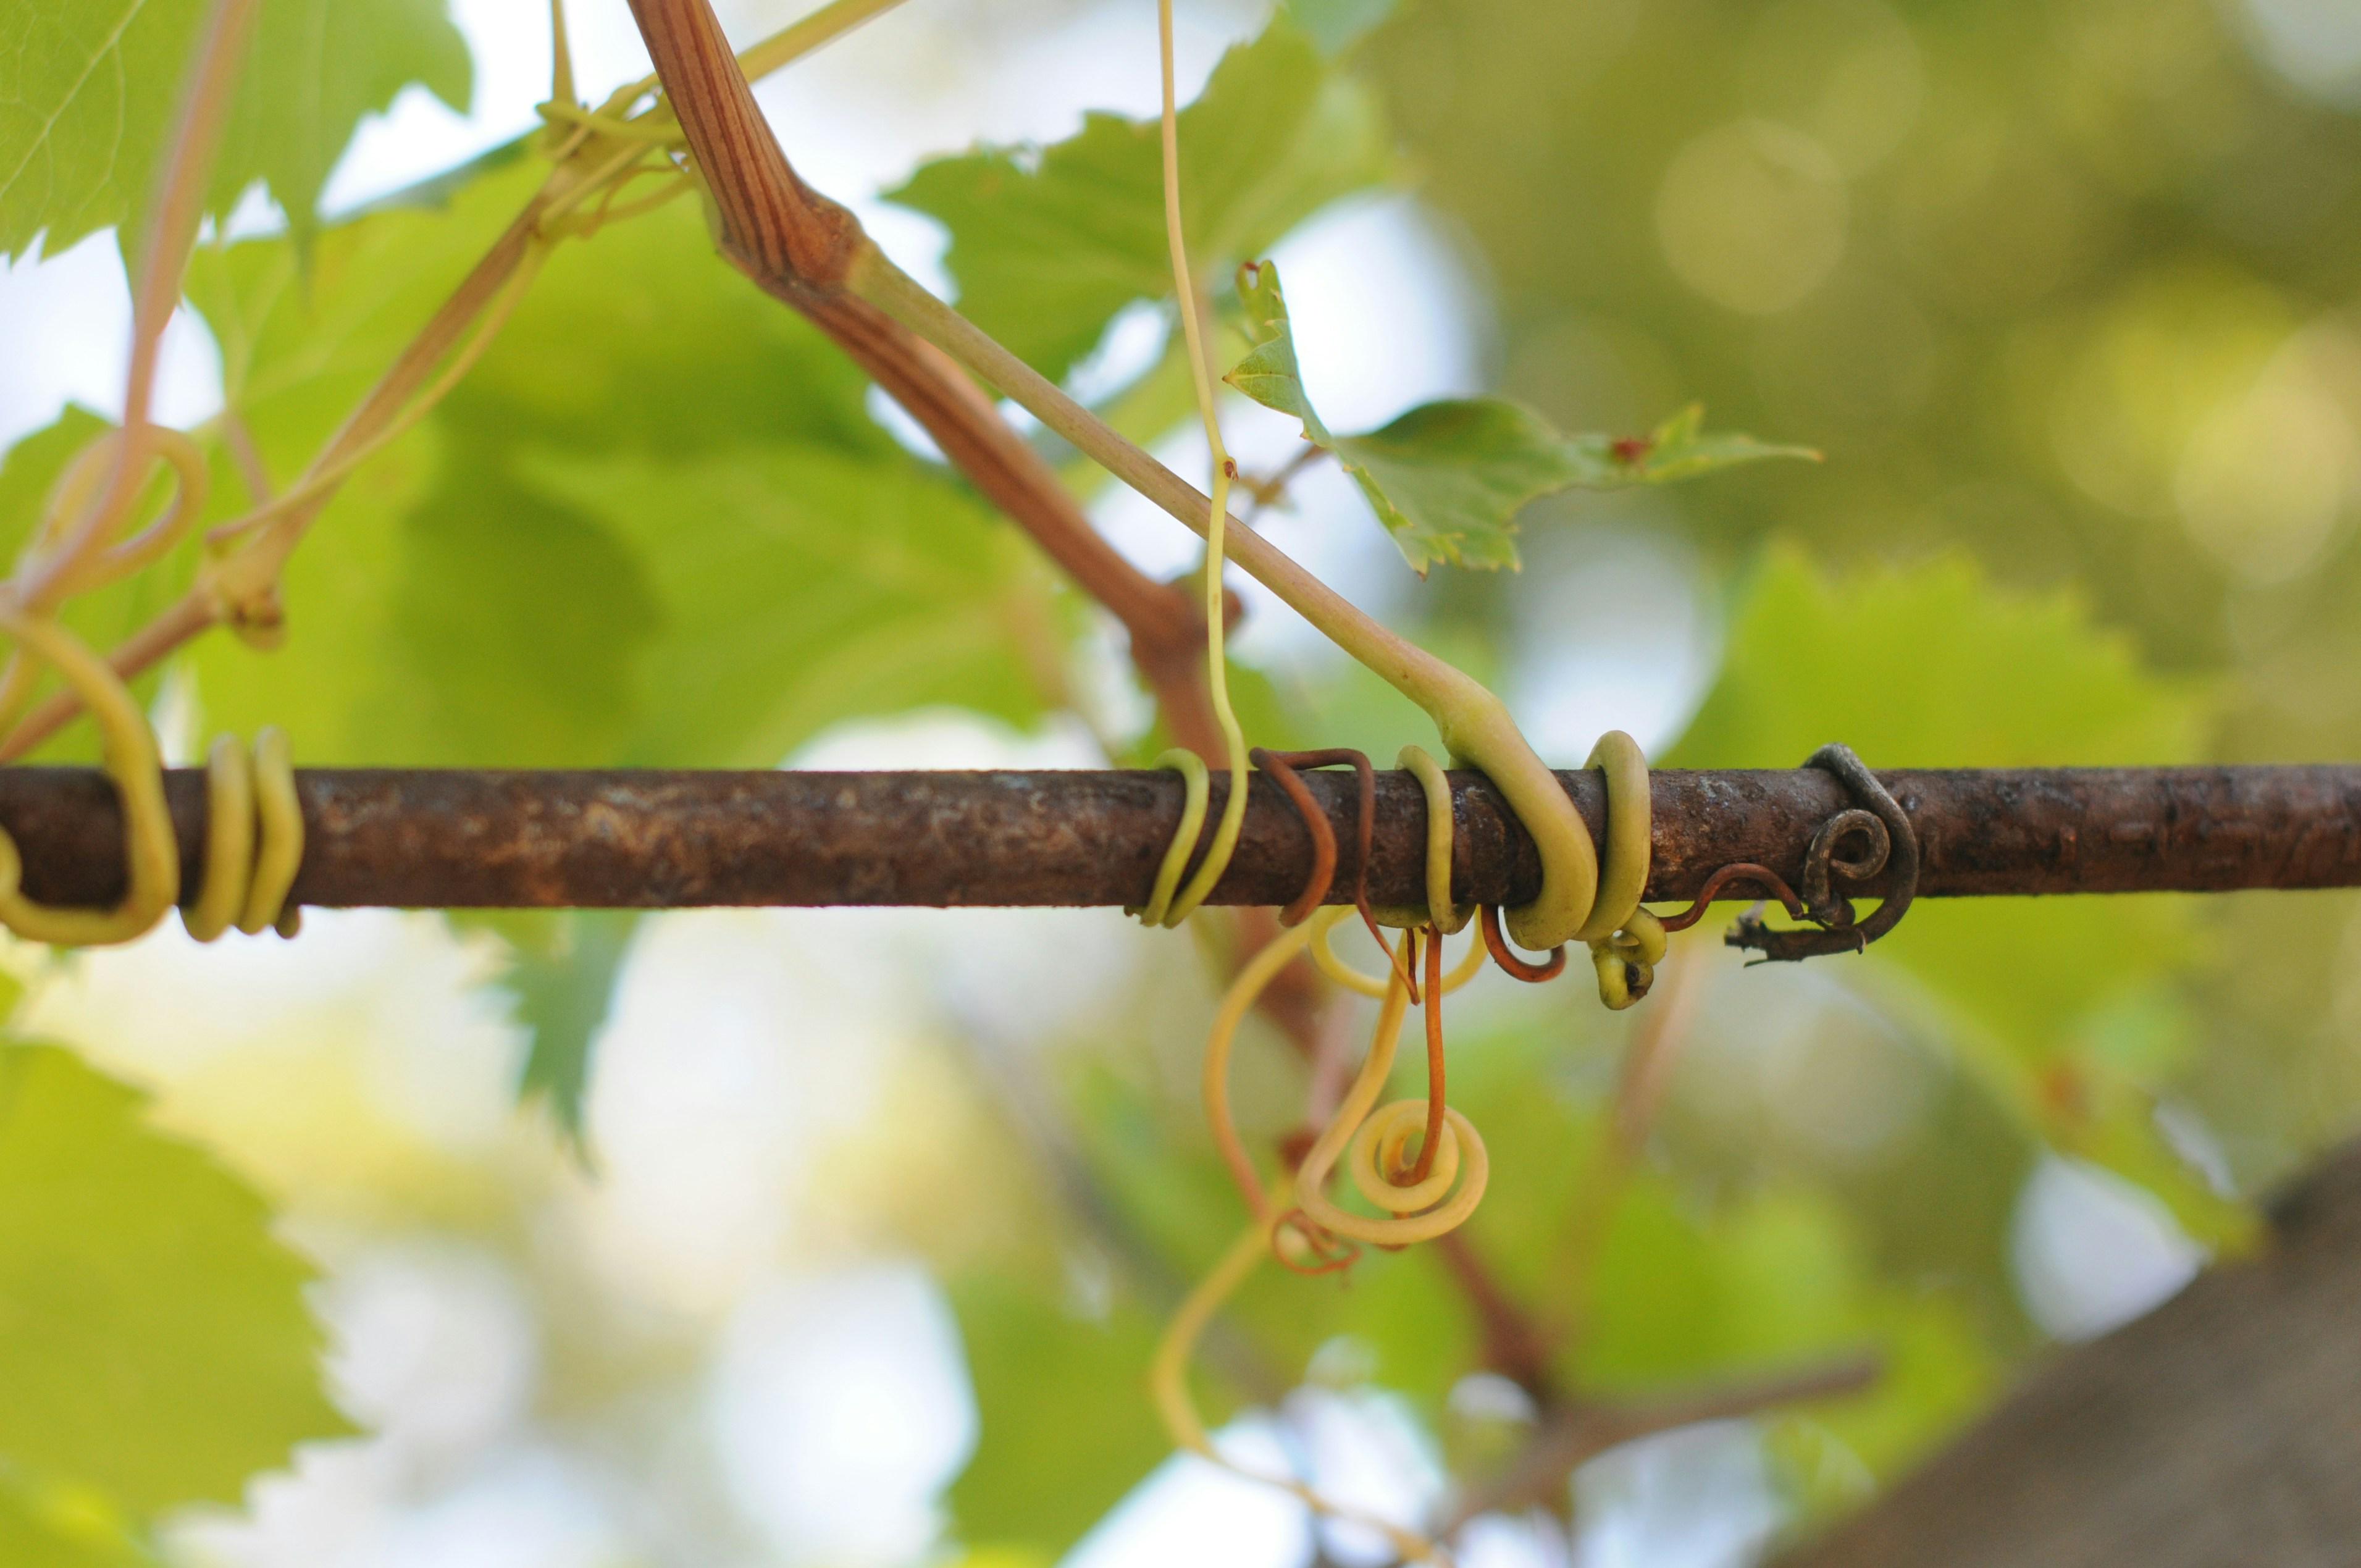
(254, 828)
(1626, 962)
(1158, 909)
(1440, 912)
(1510, 963)
(78, 488)
(1766, 882)
(1281, 766)
(1375, 1137)
(1168, 1380)
(152, 854)
(1433, 1133)
(1297, 1236)
(1305, 1248)
(254, 840)
(1626, 941)
(1323, 956)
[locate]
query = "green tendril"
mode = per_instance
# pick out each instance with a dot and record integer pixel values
(1158, 910)
(1626, 942)
(1439, 911)
(1217, 680)
(246, 802)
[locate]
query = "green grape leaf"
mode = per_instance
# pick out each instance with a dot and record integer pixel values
(1064, 1427)
(40, 1530)
(795, 586)
(93, 87)
(1448, 478)
(445, 612)
(154, 1340)
(302, 339)
(1933, 666)
(1337, 25)
(641, 340)
(1049, 243)
(1775, 1283)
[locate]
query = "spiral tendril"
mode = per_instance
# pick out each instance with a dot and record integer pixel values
(254, 841)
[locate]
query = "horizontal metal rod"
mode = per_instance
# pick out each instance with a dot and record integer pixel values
(464, 839)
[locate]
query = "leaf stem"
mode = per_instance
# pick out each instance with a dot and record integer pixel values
(1475, 725)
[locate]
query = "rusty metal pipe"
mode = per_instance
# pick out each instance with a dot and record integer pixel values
(438, 839)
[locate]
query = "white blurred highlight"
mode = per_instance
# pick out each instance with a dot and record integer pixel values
(1611, 632)
(1699, 1496)
(1189, 1512)
(437, 1349)
(67, 322)
(2093, 1252)
(840, 1410)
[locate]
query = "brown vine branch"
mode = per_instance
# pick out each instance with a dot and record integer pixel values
(800, 247)
(431, 839)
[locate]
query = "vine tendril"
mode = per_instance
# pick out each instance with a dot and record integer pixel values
(248, 803)
(1626, 941)
(1440, 912)
(152, 854)
(249, 800)
(1282, 765)
(1366, 1137)
(1197, 784)
(1193, 331)
(1320, 1247)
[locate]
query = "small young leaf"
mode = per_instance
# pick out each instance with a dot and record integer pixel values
(562, 976)
(1048, 244)
(154, 1342)
(90, 88)
(1448, 478)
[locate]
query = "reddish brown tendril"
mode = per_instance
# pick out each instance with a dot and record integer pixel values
(1331, 1253)
(1764, 879)
(1433, 1140)
(1281, 766)
(1506, 956)
(1315, 822)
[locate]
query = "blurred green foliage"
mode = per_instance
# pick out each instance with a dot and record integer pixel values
(2063, 291)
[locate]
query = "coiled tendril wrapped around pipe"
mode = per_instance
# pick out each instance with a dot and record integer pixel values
(254, 837)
